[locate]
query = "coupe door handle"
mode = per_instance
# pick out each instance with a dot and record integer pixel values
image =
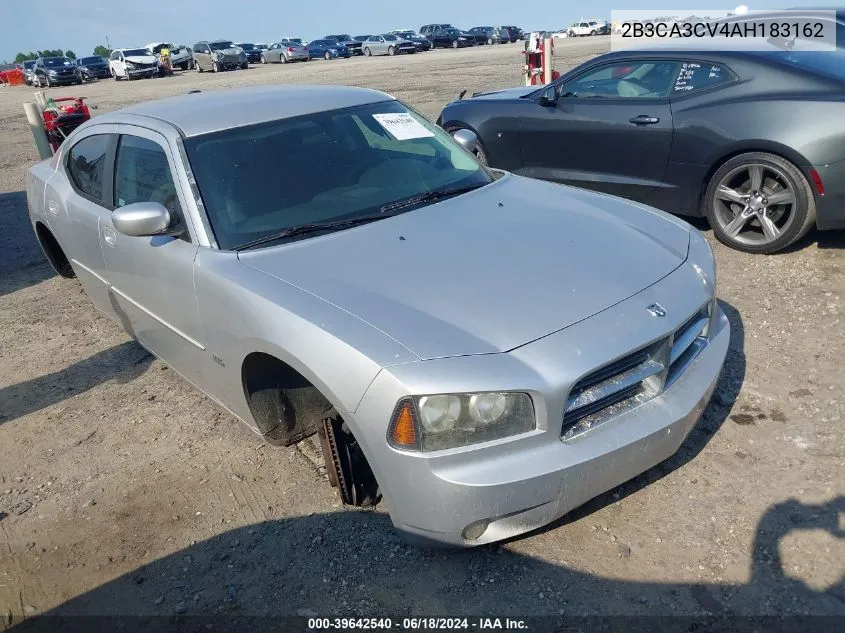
(644, 119)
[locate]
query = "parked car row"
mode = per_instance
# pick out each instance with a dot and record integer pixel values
(220, 55)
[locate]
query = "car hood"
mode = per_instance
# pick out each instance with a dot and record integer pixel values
(487, 271)
(228, 52)
(142, 59)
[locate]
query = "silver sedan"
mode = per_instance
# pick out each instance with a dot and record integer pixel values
(388, 44)
(484, 351)
(285, 52)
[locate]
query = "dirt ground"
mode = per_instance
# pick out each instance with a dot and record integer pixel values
(124, 491)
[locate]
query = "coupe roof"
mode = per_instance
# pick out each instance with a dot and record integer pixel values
(204, 112)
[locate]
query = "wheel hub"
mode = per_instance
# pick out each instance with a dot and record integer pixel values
(756, 202)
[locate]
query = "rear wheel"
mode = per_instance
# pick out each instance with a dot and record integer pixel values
(283, 59)
(328, 55)
(455, 44)
(489, 40)
(245, 66)
(263, 59)
(198, 66)
(759, 203)
(368, 52)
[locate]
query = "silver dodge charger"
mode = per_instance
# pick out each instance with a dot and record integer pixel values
(483, 351)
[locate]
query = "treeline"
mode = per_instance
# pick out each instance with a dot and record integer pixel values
(100, 50)
(22, 57)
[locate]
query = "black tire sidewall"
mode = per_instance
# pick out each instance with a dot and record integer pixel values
(804, 209)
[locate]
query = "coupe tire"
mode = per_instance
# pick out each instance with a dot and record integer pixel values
(455, 44)
(283, 59)
(263, 59)
(368, 52)
(759, 203)
(391, 51)
(327, 56)
(245, 66)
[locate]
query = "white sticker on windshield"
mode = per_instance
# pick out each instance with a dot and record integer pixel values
(402, 126)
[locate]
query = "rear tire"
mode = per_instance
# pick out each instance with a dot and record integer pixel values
(368, 52)
(327, 56)
(263, 59)
(489, 40)
(731, 190)
(455, 44)
(198, 66)
(245, 66)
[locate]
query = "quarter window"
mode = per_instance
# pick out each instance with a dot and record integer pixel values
(86, 165)
(624, 80)
(700, 75)
(142, 174)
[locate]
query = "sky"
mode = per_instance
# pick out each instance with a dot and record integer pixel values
(80, 26)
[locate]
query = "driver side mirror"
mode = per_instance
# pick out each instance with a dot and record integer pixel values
(466, 139)
(143, 219)
(548, 98)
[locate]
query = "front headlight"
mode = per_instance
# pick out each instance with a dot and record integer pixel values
(130, 65)
(441, 421)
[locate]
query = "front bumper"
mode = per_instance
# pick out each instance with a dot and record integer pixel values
(147, 71)
(97, 73)
(65, 80)
(520, 484)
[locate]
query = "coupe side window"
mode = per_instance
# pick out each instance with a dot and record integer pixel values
(624, 80)
(142, 174)
(699, 76)
(86, 165)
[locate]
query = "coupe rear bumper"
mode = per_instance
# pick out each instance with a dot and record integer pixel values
(830, 208)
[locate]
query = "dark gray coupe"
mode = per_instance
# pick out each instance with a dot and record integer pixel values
(753, 140)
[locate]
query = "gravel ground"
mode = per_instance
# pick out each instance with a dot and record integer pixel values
(123, 490)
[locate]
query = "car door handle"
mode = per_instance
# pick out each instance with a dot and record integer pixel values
(109, 237)
(644, 119)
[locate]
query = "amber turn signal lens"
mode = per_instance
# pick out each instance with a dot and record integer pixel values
(403, 430)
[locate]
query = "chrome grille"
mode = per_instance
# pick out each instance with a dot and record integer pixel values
(635, 378)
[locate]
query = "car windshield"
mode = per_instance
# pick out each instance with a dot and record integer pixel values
(830, 63)
(136, 52)
(91, 60)
(56, 62)
(219, 46)
(346, 164)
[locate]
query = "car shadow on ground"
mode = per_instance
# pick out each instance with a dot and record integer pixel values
(122, 363)
(22, 263)
(717, 411)
(351, 564)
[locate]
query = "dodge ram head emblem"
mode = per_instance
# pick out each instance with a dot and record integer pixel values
(655, 309)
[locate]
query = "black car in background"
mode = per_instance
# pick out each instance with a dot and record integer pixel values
(725, 135)
(515, 33)
(252, 52)
(446, 36)
(362, 38)
(55, 71)
(422, 43)
(351, 43)
(94, 67)
(488, 35)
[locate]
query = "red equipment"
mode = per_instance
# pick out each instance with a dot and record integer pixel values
(535, 53)
(62, 116)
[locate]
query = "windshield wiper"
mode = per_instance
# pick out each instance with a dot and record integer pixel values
(305, 229)
(431, 196)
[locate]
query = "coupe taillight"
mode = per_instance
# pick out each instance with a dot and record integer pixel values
(291, 49)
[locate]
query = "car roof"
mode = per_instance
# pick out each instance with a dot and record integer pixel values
(215, 110)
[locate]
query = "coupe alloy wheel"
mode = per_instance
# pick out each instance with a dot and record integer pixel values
(754, 204)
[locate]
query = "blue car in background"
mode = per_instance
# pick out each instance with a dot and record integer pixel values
(327, 49)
